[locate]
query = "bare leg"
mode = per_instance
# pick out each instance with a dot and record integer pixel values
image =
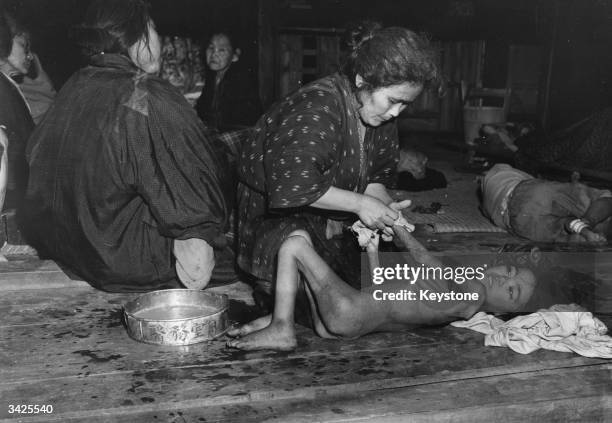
(338, 309)
(279, 334)
(343, 310)
(319, 326)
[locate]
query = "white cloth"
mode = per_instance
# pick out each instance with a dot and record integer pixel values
(562, 327)
(364, 234)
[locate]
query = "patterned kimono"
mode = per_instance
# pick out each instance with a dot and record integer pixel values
(301, 147)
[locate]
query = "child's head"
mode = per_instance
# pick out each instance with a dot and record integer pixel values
(507, 288)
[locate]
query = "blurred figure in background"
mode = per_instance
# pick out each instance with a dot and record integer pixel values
(15, 115)
(545, 211)
(230, 98)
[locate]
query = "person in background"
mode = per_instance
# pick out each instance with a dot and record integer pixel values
(545, 211)
(15, 117)
(38, 90)
(325, 154)
(230, 99)
(126, 183)
(413, 174)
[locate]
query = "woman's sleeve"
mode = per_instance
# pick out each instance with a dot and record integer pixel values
(302, 150)
(177, 165)
(383, 166)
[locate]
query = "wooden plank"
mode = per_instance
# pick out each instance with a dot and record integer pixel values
(108, 370)
(291, 56)
(328, 56)
(267, 46)
(32, 273)
(86, 318)
(586, 396)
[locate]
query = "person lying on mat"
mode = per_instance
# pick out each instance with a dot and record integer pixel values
(545, 211)
(340, 311)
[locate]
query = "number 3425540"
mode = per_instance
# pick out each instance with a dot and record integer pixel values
(30, 408)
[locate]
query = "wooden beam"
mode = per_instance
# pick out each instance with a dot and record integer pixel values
(268, 44)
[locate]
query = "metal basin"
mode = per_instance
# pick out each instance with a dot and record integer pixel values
(176, 316)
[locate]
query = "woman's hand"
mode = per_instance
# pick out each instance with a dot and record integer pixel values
(195, 260)
(387, 234)
(378, 191)
(374, 213)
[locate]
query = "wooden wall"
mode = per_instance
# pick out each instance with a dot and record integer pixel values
(463, 28)
(304, 55)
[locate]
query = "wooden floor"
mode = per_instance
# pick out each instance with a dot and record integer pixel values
(62, 343)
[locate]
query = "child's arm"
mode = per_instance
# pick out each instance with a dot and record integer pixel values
(415, 248)
(372, 251)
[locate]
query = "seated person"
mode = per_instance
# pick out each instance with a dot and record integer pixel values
(15, 61)
(414, 175)
(38, 90)
(127, 186)
(230, 98)
(545, 211)
(340, 311)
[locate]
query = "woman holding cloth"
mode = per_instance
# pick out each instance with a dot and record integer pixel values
(322, 156)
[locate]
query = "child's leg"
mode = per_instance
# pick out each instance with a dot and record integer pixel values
(280, 332)
(343, 310)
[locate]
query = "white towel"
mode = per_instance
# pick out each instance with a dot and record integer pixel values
(364, 233)
(562, 327)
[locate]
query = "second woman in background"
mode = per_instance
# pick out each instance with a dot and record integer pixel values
(230, 99)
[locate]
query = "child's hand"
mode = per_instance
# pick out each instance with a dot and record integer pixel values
(373, 242)
(592, 236)
(400, 205)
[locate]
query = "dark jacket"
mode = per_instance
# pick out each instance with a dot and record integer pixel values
(120, 167)
(233, 104)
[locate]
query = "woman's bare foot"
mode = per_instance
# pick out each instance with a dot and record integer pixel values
(253, 326)
(279, 335)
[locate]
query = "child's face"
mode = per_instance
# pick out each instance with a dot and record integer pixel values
(507, 288)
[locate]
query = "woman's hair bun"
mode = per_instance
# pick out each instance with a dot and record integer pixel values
(92, 40)
(359, 33)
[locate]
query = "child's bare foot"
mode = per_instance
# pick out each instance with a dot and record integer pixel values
(253, 326)
(279, 335)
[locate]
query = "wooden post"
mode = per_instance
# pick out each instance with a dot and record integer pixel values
(268, 43)
(545, 109)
